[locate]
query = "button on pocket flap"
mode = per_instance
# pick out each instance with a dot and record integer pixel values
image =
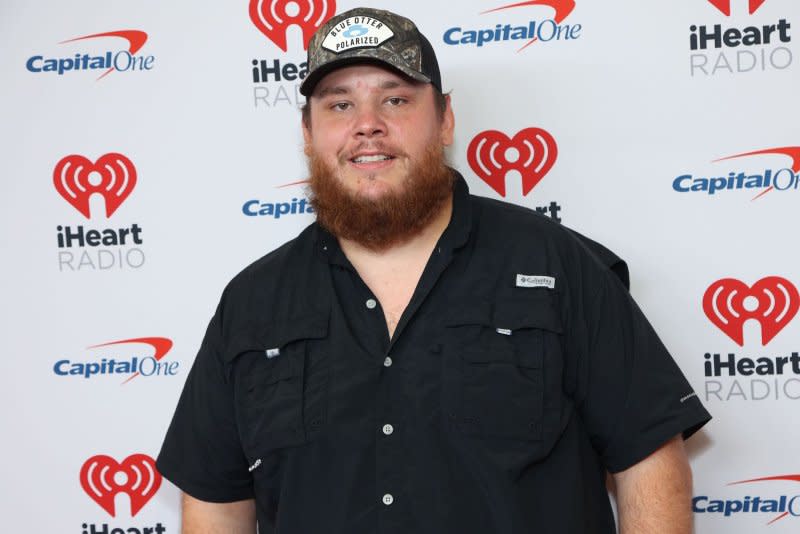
(468, 312)
(515, 314)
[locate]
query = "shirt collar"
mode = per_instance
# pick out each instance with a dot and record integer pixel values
(458, 230)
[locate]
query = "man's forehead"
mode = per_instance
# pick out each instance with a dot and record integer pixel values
(350, 78)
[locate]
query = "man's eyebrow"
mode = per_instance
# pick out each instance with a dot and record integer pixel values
(335, 90)
(392, 84)
(343, 89)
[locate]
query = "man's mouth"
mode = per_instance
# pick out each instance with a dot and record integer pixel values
(371, 158)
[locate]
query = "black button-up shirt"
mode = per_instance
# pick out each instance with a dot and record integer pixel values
(519, 373)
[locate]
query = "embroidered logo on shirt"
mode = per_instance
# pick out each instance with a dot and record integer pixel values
(504, 331)
(687, 397)
(271, 353)
(529, 280)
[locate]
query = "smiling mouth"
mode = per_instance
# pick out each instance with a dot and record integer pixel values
(372, 158)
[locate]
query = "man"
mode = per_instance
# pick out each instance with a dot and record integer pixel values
(420, 360)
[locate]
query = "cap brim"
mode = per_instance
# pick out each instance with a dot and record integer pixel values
(311, 81)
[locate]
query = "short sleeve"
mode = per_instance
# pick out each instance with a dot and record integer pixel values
(201, 453)
(633, 396)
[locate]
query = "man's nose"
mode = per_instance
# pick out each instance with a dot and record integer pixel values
(370, 122)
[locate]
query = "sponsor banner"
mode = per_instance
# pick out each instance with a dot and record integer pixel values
(766, 497)
(125, 360)
(276, 80)
(98, 54)
(746, 177)
(109, 180)
(738, 44)
(772, 302)
(277, 208)
(520, 25)
(103, 479)
(531, 152)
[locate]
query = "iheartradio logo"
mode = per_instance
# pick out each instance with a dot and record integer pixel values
(102, 478)
(772, 301)
(112, 176)
(274, 17)
(725, 5)
(492, 154)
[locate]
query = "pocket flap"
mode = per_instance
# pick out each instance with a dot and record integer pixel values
(528, 357)
(276, 335)
(489, 355)
(474, 311)
(281, 333)
(517, 313)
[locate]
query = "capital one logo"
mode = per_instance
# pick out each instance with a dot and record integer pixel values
(103, 478)
(125, 60)
(725, 5)
(562, 8)
(274, 17)
(772, 302)
(737, 508)
(112, 176)
(532, 152)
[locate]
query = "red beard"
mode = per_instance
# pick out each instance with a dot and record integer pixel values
(390, 220)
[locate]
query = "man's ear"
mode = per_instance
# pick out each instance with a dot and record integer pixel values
(448, 123)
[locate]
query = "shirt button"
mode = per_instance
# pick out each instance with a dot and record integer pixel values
(388, 429)
(388, 499)
(387, 362)
(371, 304)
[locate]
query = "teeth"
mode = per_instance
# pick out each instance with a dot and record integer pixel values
(370, 159)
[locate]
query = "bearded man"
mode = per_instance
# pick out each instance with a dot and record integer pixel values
(420, 360)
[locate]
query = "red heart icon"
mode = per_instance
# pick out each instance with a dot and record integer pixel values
(491, 156)
(102, 478)
(725, 6)
(273, 18)
(775, 302)
(112, 176)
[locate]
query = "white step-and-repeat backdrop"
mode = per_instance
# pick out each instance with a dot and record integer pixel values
(150, 150)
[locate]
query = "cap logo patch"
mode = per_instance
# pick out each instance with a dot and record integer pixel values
(356, 32)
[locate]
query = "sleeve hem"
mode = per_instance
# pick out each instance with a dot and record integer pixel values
(205, 493)
(637, 451)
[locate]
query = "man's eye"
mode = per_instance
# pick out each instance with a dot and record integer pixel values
(340, 106)
(396, 100)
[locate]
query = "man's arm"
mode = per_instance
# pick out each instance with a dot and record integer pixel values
(201, 517)
(654, 496)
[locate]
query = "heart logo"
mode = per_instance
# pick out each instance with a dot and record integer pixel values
(112, 176)
(273, 18)
(773, 302)
(725, 6)
(102, 478)
(532, 152)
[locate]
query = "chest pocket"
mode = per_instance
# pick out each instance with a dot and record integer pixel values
(496, 362)
(281, 381)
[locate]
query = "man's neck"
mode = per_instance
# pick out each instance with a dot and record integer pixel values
(394, 273)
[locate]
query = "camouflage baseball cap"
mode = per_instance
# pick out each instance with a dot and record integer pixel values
(365, 35)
